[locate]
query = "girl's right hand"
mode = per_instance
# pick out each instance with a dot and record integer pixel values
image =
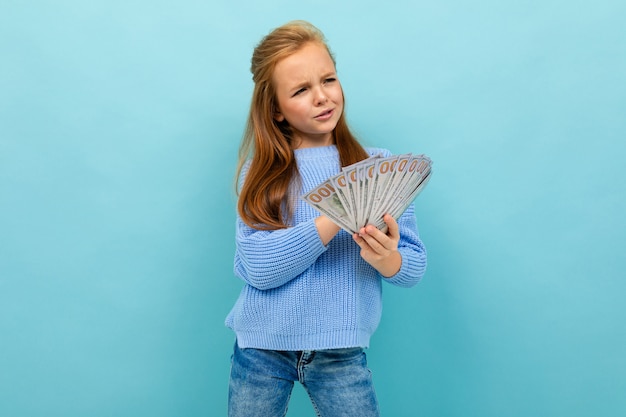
(326, 228)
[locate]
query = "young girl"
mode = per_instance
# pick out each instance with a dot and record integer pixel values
(312, 294)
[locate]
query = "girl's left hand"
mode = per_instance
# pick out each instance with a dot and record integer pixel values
(379, 249)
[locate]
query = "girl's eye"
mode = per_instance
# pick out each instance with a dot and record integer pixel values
(330, 80)
(300, 91)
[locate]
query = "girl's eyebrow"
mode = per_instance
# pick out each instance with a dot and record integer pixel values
(298, 86)
(324, 75)
(305, 83)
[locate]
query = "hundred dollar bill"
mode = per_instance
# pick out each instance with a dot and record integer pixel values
(396, 184)
(340, 182)
(417, 175)
(353, 187)
(383, 172)
(363, 174)
(324, 198)
(364, 192)
(415, 169)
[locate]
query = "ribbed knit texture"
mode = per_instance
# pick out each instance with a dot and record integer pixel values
(302, 295)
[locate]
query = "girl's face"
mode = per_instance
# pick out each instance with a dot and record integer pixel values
(309, 95)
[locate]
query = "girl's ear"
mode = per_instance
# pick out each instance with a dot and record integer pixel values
(278, 116)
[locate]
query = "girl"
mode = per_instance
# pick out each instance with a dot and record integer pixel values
(312, 294)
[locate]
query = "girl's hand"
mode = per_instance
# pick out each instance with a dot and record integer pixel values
(326, 229)
(379, 249)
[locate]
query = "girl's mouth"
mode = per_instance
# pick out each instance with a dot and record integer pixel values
(325, 115)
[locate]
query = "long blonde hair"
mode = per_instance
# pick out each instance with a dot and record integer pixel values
(263, 197)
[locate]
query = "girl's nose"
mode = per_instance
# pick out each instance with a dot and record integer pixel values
(321, 97)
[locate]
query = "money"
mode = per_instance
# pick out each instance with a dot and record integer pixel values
(364, 192)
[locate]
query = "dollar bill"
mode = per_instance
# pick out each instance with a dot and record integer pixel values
(324, 198)
(364, 192)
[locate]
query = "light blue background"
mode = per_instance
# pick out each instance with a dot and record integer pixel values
(119, 127)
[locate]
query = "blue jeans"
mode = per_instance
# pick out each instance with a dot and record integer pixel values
(338, 382)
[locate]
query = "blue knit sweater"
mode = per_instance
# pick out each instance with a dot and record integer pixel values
(302, 295)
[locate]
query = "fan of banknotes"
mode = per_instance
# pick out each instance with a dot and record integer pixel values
(363, 192)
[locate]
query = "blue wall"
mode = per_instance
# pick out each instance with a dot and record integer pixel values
(119, 128)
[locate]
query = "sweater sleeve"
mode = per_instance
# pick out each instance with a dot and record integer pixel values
(412, 250)
(269, 259)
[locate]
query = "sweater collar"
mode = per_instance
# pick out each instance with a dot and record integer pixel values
(315, 153)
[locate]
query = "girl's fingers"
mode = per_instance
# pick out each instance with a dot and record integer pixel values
(376, 240)
(392, 226)
(373, 243)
